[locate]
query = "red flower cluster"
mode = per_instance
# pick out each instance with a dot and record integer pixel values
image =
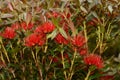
(8, 33)
(26, 26)
(93, 59)
(39, 36)
(15, 26)
(48, 27)
(60, 39)
(52, 14)
(39, 29)
(34, 39)
(57, 14)
(83, 51)
(78, 41)
(45, 28)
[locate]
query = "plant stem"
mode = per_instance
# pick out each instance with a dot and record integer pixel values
(46, 47)
(37, 65)
(2, 58)
(4, 50)
(14, 53)
(72, 63)
(101, 43)
(88, 74)
(85, 34)
(63, 63)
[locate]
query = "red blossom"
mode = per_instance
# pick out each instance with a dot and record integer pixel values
(34, 39)
(83, 52)
(42, 41)
(78, 41)
(55, 14)
(8, 33)
(60, 39)
(52, 14)
(39, 29)
(15, 26)
(91, 23)
(93, 59)
(26, 26)
(31, 40)
(48, 27)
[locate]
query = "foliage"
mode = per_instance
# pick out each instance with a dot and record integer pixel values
(59, 39)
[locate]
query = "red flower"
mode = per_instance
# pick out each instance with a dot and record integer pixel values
(31, 40)
(108, 77)
(15, 26)
(78, 41)
(26, 26)
(93, 59)
(8, 33)
(41, 41)
(55, 14)
(60, 39)
(34, 39)
(52, 14)
(91, 23)
(48, 27)
(83, 52)
(39, 29)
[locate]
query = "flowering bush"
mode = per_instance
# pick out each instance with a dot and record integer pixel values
(59, 40)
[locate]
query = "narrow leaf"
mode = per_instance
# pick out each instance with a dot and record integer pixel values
(63, 33)
(52, 35)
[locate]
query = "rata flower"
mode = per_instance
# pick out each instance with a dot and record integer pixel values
(15, 26)
(93, 59)
(42, 40)
(39, 29)
(31, 40)
(60, 39)
(48, 27)
(78, 41)
(8, 33)
(83, 51)
(34, 39)
(26, 26)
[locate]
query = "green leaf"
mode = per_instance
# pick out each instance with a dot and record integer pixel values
(95, 76)
(6, 15)
(52, 35)
(28, 18)
(21, 16)
(83, 9)
(110, 8)
(63, 33)
(55, 22)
